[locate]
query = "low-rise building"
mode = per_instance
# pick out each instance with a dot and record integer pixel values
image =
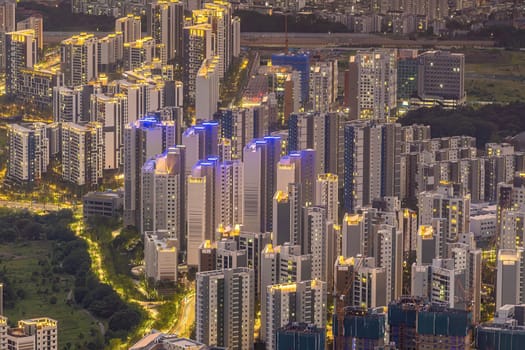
(107, 203)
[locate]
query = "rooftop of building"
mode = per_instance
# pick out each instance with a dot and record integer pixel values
(303, 328)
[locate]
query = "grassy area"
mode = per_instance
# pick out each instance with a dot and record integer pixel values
(496, 62)
(27, 267)
(495, 75)
(501, 91)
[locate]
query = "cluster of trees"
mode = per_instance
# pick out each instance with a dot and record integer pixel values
(490, 123)
(70, 255)
(60, 18)
(96, 297)
(24, 226)
(504, 36)
(256, 22)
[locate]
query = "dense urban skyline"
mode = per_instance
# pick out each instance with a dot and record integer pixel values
(173, 181)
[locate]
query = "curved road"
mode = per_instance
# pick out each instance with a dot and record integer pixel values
(186, 318)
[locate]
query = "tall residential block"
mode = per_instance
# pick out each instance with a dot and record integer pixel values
(373, 84)
(224, 310)
(165, 20)
(143, 139)
(21, 49)
(162, 194)
(260, 160)
(28, 148)
(82, 153)
(130, 27)
(294, 302)
(79, 59)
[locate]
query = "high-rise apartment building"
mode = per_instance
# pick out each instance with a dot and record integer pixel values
(165, 22)
(110, 52)
(371, 162)
(42, 331)
(407, 69)
(7, 24)
(130, 27)
(21, 52)
(79, 59)
(373, 84)
(72, 104)
(82, 153)
(509, 279)
(300, 336)
(293, 302)
(241, 125)
(327, 195)
(138, 53)
(143, 140)
(198, 47)
(448, 204)
(390, 257)
(201, 142)
(218, 14)
(299, 167)
(162, 194)
(7, 16)
(323, 86)
(111, 112)
(319, 131)
(224, 311)
(35, 22)
(28, 147)
(260, 160)
(207, 89)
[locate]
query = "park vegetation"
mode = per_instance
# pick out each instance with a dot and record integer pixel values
(490, 123)
(69, 256)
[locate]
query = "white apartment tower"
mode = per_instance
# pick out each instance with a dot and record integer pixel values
(143, 140)
(374, 84)
(138, 53)
(207, 89)
(224, 310)
(21, 49)
(165, 23)
(36, 23)
(327, 195)
(293, 302)
(449, 204)
(82, 153)
(162, 196)
(111, 111)
(79, 59)
(28, 152)
(509, 279)
(130, 27)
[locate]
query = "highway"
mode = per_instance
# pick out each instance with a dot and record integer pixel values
(320, 40)
(334, 40)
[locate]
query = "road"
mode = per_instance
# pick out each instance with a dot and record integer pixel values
(334, 40)
(183, 326)
(319, 40)
(33, 206)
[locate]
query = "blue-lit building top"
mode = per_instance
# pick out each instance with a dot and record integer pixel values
(208, 133)
(300, 336)
(299, 62)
